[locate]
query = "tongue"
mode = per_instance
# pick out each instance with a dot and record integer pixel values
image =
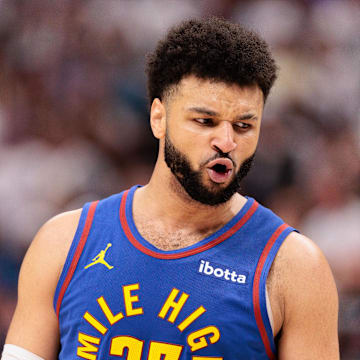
(219, 177)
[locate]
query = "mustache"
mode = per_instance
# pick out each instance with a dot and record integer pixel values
(219, 155)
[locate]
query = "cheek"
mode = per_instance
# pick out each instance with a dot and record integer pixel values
(190, 139)
(247, 144)
(189, 146)
(194, 133)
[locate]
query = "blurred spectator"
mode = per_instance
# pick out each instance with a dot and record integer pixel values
(74, 123)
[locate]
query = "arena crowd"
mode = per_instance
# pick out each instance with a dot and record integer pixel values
(74, 120)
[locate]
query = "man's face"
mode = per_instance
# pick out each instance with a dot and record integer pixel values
(212, 130)
(191, 180)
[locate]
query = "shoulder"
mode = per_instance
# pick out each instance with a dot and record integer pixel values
(51, 244)
(304, 288)
(301, 265)
(299, 273)
(60, 229)
(34, 325)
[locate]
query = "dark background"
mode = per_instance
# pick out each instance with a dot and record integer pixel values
(74, 120)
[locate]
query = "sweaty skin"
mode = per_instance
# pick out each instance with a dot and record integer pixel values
(201, 117)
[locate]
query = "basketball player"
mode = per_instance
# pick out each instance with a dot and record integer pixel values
(184, 267)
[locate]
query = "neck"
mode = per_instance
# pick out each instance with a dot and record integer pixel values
(164, 198)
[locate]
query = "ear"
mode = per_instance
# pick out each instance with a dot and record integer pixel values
(158, 119)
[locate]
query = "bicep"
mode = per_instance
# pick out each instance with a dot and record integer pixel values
(311, 308)
(34, 326)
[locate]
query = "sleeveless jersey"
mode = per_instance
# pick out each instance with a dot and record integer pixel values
(120, 297)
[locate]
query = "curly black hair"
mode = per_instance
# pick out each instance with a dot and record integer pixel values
(210, 49)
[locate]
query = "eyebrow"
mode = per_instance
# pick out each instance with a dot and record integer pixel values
(205, 111)
(247, 117)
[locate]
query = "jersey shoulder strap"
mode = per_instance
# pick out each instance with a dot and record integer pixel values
(78, 243)
(275, 231)
(92, 216)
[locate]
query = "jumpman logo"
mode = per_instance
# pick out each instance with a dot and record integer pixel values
(100, 258)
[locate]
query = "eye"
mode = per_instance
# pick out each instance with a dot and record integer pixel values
(204, 121)
(242, 126)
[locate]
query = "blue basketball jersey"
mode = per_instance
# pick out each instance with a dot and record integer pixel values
(120, 297)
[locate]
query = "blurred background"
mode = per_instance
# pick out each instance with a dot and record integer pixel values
(74, 120)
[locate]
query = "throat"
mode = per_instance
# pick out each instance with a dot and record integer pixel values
(167, 240)
(170, 225)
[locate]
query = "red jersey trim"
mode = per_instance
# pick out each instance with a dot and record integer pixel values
(77, 254)
(185, 253)
(256, 290)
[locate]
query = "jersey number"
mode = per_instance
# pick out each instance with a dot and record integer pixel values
(135, 346)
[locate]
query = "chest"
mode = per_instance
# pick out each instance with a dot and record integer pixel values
(159, 302)
(204, 300)
(168, 239)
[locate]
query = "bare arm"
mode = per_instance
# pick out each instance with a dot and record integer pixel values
(34, 326)
(310, 302)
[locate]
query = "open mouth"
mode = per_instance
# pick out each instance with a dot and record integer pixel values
(219, 170)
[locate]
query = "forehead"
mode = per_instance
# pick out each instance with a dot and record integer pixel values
(219, 96)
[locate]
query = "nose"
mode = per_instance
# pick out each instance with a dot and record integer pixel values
(223, 138)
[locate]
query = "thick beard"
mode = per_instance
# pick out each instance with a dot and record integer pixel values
(191, 180)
